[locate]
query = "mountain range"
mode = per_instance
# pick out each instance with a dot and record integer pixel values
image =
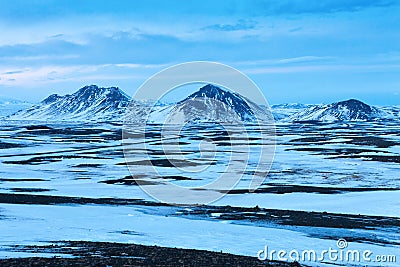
(209, 103)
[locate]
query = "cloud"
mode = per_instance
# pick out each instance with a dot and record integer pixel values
(296, 7)
(62, 44)
(37, 58)
(296, 29)
(20, 11)
(279, 62)
(120, 47)
(239, 26)
(48, 48)
(329, 68)
(43, 75)
(303, 59)
(13, 72)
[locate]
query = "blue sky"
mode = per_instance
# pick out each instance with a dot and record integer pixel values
(296, 51)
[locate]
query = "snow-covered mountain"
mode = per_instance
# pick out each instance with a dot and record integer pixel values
(210, 104)
(9, 106)
(91, 103)
(11, 101)
(394, 111)
(349, 110)
(284, 111)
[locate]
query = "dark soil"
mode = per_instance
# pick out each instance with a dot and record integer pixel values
(117, 254)
(238, 214)
(286, 189)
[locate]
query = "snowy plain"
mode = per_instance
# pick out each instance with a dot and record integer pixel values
(311, 162)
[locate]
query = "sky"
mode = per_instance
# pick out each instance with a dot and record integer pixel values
(310, 51)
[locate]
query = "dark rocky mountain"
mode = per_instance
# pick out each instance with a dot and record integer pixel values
(232, 100)
(211, 104)
(88, 103)
(349, 110)
(52, 98)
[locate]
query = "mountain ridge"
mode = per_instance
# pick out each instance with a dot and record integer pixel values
(88, 103)
(347, 110)
(209, 103)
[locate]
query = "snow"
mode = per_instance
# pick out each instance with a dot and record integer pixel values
(350, 110)
(33, 224)
(102, 223)
(8, 108)
(90, 103)
(377, 203)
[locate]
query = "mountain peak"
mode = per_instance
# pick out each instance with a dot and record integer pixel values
(210, 91)
(90, 92)
(90, 87)
(348, 110)
(234, 101)
(209, 88)
(354, 104)
(212, 104)
(51, 98)
(91, 102)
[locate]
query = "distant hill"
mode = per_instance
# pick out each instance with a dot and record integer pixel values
(284, 111)
(211, 104)
(11, 101)
(349, 110)
(9, 106)
(88, 103)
